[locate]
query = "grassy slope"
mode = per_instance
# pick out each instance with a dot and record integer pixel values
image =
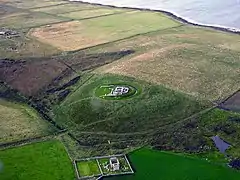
(132, 23)
(91, 13)
(46, 160)
(64, 8)
(20, 122)
(25, 47)
(156, 104)
(150, 164)
(29, 20)
(197, 61)
(26, 4)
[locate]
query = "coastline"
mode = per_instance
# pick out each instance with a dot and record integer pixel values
(171, 15)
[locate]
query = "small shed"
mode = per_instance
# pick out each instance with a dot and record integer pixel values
(114, 164)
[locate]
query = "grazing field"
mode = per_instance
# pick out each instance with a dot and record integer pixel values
(22, 47)
(81, 34)
(90, 13)
(27, 20)
(186, 59)
(45, 160)
(27, 4)
(160, 106)
(88, 168)
(20, 122)
(150, 164)
(7, 11)
(65, 8)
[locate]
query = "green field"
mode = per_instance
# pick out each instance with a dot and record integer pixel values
(45, 160)
(28, 20)
(94, 12)
(65, 8)
(27, 4)
(150, 164)
(161, 106)
(19, 121)
(203, 63)
(132, 23)
(88, 168)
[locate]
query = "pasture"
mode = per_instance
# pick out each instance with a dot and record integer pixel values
(28, 4)
(44, 160)
(28, 20)
(73, 35)
(186, 59)
(64, 8)
(83, 110)
(151, 164)
(91, 13)
(19, 122)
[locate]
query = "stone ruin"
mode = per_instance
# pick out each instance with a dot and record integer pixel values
(8, 33)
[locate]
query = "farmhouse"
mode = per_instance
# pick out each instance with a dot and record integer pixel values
(114, 164)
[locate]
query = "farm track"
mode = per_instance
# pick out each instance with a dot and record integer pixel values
(151, 131)
(49, 6)
(30, 140)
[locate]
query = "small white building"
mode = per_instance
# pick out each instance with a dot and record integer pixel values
(114, 164)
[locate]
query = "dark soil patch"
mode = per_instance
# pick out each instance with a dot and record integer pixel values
(232, 103)
(64, 86)
(45, 82)
(81, 61)
(29, 77)
(7, 10)
(11, 94)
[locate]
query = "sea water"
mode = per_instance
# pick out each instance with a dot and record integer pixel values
(223, 13)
